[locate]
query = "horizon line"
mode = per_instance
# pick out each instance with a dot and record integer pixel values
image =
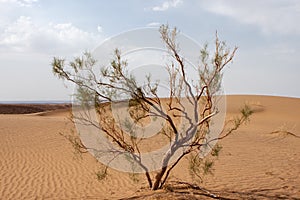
(70, 100)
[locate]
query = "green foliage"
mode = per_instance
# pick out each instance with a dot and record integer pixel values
(57, 67)
(134, 177)
(207, 167)
(78, 147)
(85, 97)
(246, 112)
(195, 167)
(216, 150)
(133, 102)
(199, 167)
(102, 174)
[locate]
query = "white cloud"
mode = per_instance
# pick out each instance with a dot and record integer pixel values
(23, 3)
(167, 4)
(280, 16)
(25, 36)
(153, 24)
(99, 29)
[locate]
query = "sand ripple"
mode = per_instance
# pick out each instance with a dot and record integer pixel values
(36, 162)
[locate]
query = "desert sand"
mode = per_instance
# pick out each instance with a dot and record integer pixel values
(259, 161)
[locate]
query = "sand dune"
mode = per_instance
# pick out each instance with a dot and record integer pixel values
(260, 161)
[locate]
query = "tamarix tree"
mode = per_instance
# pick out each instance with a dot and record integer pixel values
(187, 109)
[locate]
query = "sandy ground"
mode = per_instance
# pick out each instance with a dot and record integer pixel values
(260, 161)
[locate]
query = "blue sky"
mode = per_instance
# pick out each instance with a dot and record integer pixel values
(33, 31)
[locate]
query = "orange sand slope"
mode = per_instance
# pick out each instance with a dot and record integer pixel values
(260, 161)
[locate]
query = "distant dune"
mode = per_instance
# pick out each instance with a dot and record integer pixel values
(30, 108)
(259, 161)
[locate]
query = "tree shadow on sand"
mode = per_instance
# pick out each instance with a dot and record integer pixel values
(183, 190)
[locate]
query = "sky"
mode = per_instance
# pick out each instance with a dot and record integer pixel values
(32, 32)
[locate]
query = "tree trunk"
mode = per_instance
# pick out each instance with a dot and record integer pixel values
(149, 179)
(158, 178)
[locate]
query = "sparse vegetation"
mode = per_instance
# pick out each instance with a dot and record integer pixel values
(183, 140)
